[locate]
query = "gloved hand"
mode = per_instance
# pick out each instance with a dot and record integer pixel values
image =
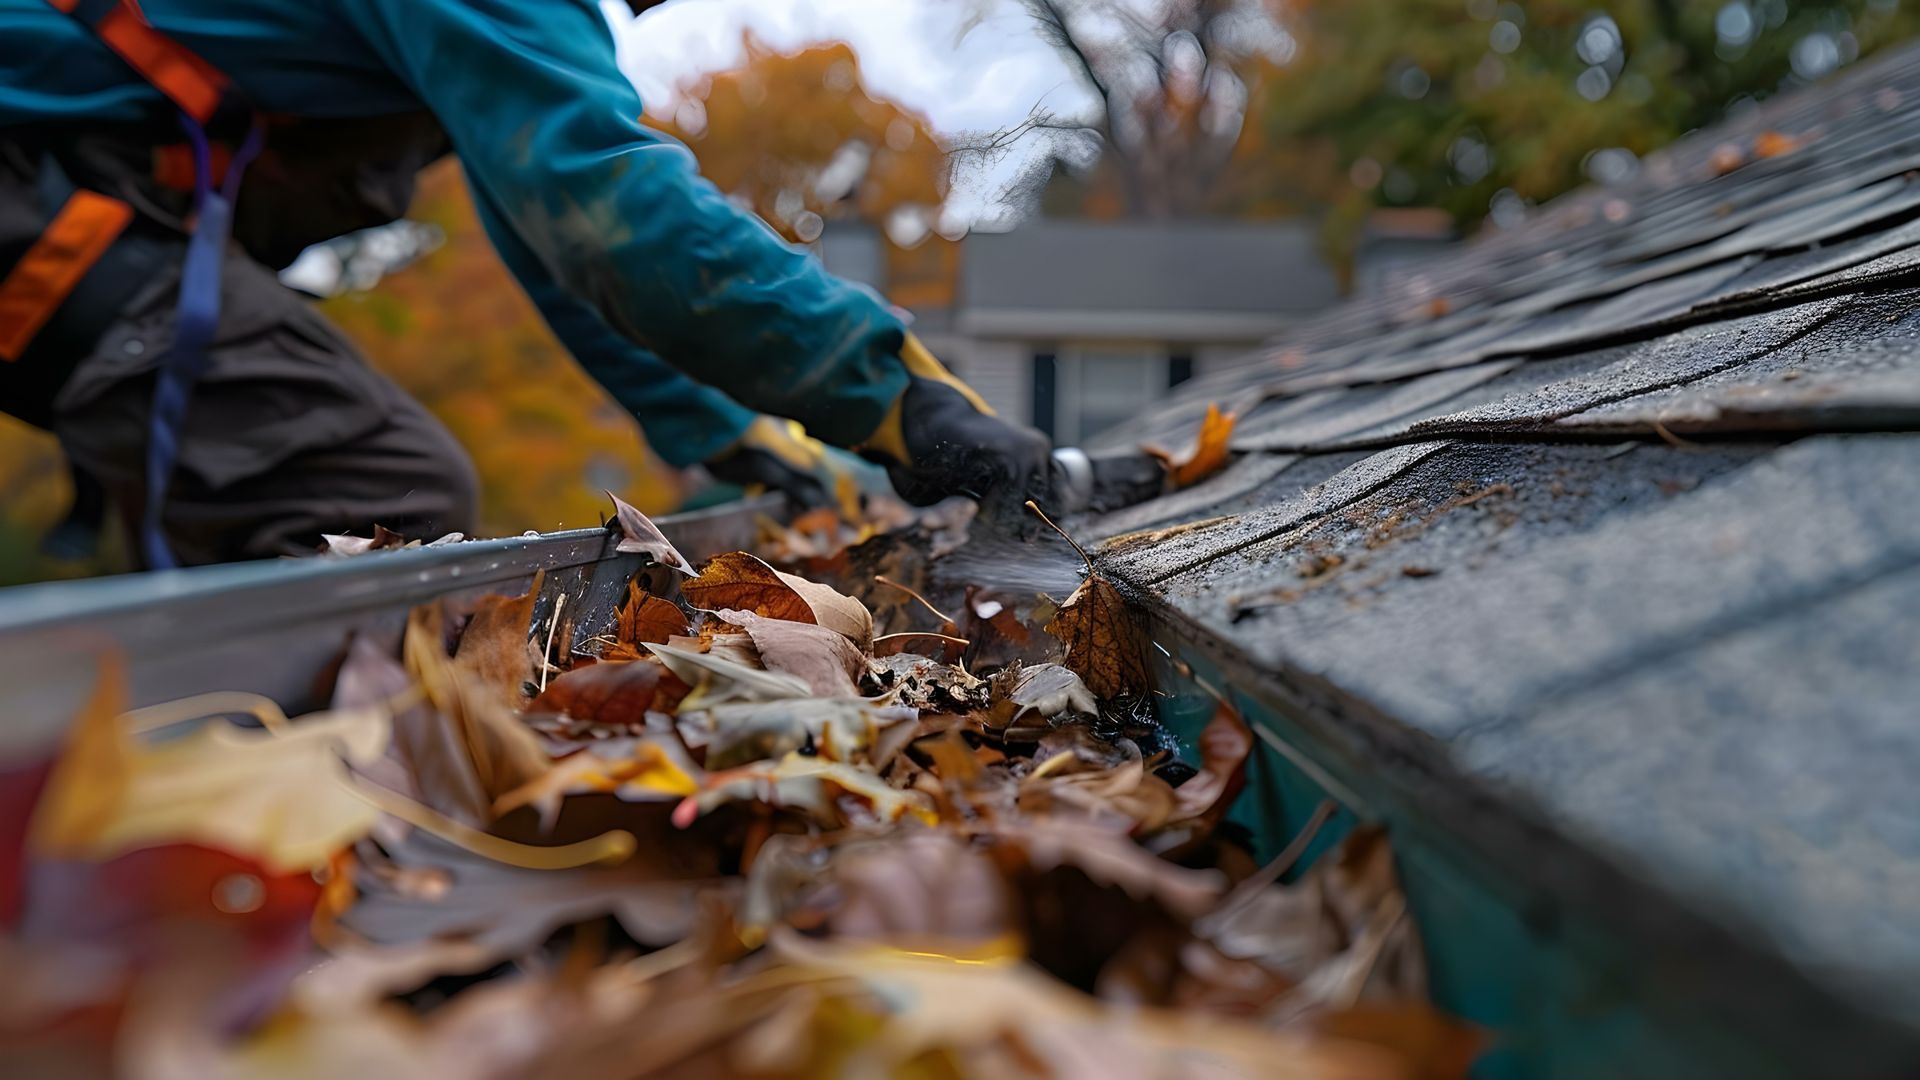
(942, 439)
(780, 456)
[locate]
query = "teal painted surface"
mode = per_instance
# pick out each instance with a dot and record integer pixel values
(1562, 1000)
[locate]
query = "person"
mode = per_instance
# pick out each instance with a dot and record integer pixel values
(160, 161)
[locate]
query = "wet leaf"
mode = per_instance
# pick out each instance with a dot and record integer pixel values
(1105, 639)
(639, 535)
(825, 660)
(647, 619)
(743, 583)
(614, 693)
(1209, 455)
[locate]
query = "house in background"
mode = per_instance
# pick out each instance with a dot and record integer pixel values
(1076, 326)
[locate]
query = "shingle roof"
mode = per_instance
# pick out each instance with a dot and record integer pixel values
(1614, 519)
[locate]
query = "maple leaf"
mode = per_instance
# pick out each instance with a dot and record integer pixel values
(647, 619)
(741, 582)
(1210, 453)
(639, 535)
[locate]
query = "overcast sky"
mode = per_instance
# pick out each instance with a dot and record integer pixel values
(978, 74)
(916, 51)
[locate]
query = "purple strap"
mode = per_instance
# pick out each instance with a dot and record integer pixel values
(198, 318)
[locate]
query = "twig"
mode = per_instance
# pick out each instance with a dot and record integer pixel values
(1084, 557)
(553, 624)
(608, 849)
(924, 602)
(948, 638)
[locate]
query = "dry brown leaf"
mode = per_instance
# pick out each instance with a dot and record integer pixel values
(639, 535)
(496, 652)
(1105, 639)
(739, 581)
(614, 693)
(505, 753)
(1210, 453)
(826, 660)
(647, 618)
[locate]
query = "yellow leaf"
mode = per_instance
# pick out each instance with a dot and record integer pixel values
(283, 800)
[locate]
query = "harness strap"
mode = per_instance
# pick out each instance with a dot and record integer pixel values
(201, 92)
(198, 88)
(197, 319)
(44, 277)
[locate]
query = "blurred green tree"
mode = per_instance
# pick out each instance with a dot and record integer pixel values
(1473, 106)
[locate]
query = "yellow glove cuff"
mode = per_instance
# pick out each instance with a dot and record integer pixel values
(922, 364)
(787, 441)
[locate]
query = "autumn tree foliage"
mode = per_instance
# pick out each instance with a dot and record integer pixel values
(799, 138)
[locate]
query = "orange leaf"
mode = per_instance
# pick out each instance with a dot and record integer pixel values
(743, 583)
(647, 619)
(1210, 451)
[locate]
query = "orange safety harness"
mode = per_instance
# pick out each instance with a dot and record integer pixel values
(86, 226)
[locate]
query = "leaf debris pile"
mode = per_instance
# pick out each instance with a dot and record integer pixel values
(736, 834)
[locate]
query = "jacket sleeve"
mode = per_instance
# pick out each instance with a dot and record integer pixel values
(686, 422)
(618, 215)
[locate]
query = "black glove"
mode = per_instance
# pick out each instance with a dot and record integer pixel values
(953, 448)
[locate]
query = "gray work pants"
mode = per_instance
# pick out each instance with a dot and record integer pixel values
(289, 435)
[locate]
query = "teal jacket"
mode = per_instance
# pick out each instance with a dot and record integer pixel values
(627, 250)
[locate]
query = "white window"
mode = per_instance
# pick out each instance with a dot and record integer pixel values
(1104, 386)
